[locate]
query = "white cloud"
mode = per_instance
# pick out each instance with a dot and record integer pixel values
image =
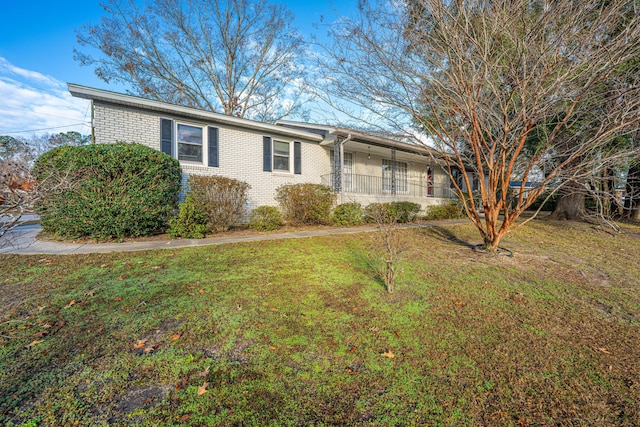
(34, 103)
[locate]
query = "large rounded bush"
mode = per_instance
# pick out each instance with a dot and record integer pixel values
(107, 191)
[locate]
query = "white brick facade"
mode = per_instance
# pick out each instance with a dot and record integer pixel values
(240, 150)
(125, 118)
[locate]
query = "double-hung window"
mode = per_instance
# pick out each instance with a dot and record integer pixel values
(189, 139)
(281, 156)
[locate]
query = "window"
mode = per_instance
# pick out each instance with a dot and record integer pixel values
(281, 156)
(189, 140)
(401, 184)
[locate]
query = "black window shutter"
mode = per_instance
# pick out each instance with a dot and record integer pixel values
(166, 136)
(213, 147)
(266, 153)
(297, 157)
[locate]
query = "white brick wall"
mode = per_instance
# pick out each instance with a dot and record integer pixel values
(240, 150)
(240, 155)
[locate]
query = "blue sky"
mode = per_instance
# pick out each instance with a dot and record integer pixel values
(37, 39)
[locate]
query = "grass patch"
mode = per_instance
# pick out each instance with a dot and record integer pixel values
(294, 332)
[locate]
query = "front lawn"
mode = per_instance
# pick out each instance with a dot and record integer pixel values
(300, 332)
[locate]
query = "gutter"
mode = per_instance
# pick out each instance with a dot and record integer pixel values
(93, 94)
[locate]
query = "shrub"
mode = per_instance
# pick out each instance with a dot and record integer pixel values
(223, 199)
(401, 212)
(449, 211)
(265, 218)
(405, 211)
(107, 191)
(192, 221)
(306, 203)
(347, 214)
(550, 204)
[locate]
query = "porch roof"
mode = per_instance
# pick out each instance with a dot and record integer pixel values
(331, 133)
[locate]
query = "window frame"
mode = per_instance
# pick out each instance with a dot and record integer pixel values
(203, 136)
(288, 156)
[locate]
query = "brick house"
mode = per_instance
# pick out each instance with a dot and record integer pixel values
(360, 167)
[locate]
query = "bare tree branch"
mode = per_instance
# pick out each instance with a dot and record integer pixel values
(241, 58)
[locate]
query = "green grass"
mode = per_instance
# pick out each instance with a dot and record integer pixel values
(293, 333)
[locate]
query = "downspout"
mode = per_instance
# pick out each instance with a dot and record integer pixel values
(93, 129)
(344, 141)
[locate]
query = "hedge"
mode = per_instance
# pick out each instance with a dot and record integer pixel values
(107, 191)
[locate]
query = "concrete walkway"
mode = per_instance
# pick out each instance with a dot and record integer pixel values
(22, 240)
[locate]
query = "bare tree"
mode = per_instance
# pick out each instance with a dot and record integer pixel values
(239, 57)
(388, 244)
(479, 77)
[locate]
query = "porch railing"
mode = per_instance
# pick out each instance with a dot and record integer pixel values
(377, 185)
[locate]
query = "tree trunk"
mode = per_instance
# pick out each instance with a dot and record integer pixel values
(632, 196)
(610, 203)
(570, 204)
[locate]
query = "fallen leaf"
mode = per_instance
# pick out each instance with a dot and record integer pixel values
(604, 350)
(374, 329)
(182, 384)
(157, 267)
(117, 299)
(204, 373)
(36, 342)
(40, 334)
(184, 418)
(89, 294)
(203, 388)
(354, 309)
(41, 307)
(176, 336)
(46, 326)
(150, 348)
(201, 291)
(71, 303)
(272, 347)
(460, 304)
(122, 277)
(59, 324)
(353, 349)
(104, 265)
(148, 400)
(45, 260)
(139, 343)
(189, 287)
(239, 308)
(389, 354)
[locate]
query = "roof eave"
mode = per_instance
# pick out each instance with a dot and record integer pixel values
(85, 92)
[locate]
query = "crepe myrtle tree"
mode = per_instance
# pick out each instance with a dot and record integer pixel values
(479, 77)
(241, 57)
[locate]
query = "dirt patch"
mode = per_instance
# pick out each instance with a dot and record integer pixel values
(145, 397)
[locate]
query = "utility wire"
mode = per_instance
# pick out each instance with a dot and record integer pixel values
(38, 130)
(40, 114)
